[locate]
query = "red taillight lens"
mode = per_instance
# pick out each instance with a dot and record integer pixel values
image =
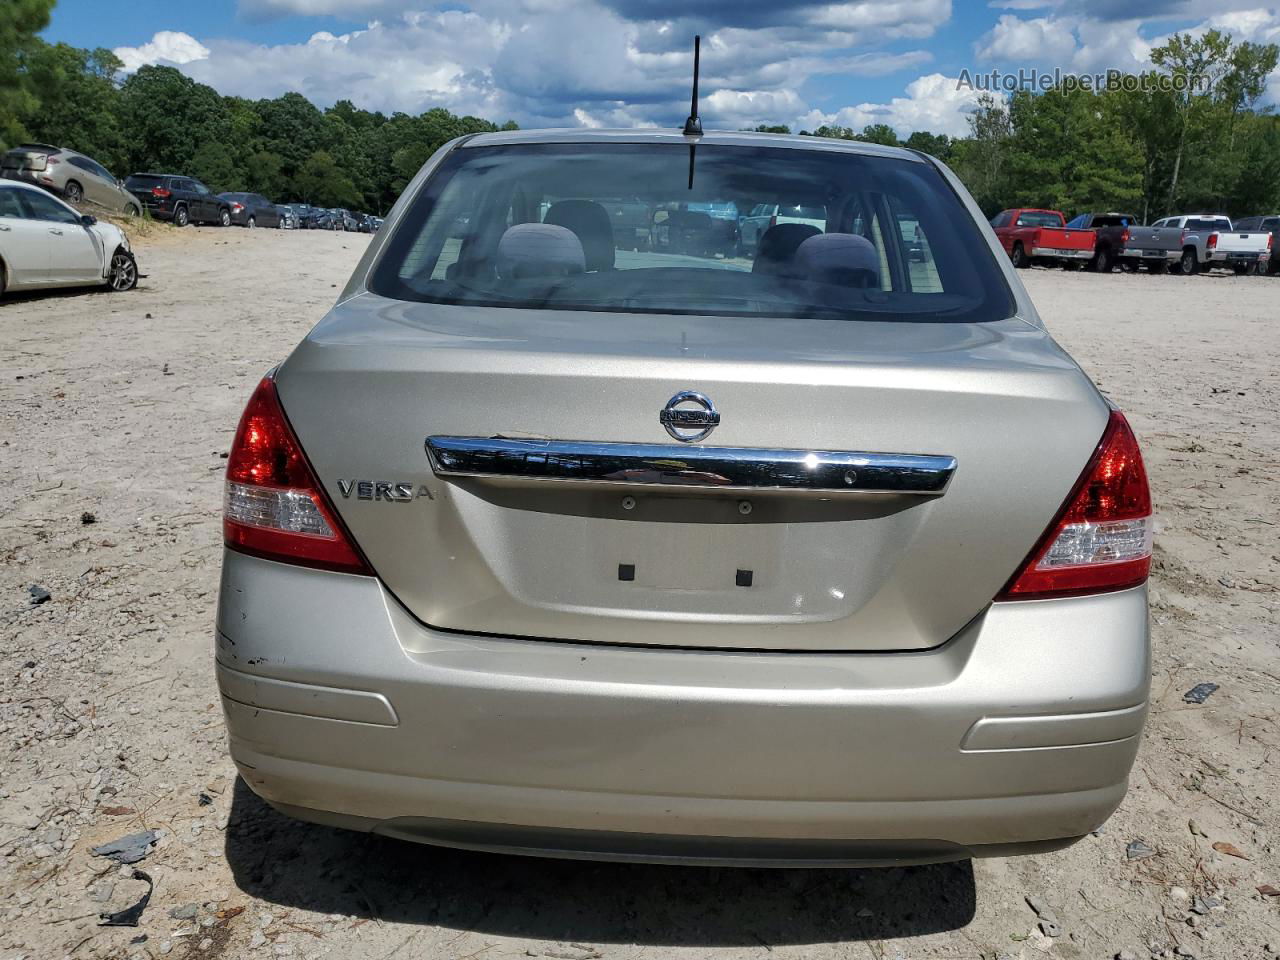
(1212, 242)
(160, 192)
(1101, 539)
(1124, 237)
(274, 506)
(237, 207)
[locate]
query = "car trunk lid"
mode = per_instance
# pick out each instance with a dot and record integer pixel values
(680, 550)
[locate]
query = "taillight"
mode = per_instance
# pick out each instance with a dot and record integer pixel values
(1124, 237)
(1101, 539)
(237, 207)
(1212, 242)
(773, 221)
(160, 192)
(1270, 238)
(1183, 239)
(274, 507)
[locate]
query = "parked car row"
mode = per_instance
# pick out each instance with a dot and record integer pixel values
(1185, 244)
(174, 197)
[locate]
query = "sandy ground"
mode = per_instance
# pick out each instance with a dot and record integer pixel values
(115, 413)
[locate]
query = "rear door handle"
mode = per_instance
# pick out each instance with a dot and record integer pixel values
(4, 228)
(55, 230)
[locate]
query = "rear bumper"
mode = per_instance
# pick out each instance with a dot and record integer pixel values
(1226, 256)
(1138, 253)
(1056, 253)
(1017, 735)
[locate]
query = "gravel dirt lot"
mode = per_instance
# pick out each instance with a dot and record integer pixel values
(116, 411)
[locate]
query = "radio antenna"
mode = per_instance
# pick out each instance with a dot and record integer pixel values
(693, 126)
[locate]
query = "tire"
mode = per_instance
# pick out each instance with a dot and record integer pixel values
(1019, 257)
(224, 217)
(1105, 263)
(251, 223)
(1159, 266)
(124, 271)
(2, 276)
(73, 192)
(132, 210)
(180, 215)
(1189, 266)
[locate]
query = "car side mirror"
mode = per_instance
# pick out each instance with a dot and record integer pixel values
(88, 220)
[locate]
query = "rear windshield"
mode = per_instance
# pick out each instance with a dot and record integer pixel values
(537, 226)
(1033, 218)
(144, 181)
(1208, 224)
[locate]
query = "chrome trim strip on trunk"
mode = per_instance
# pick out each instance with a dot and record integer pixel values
(712, 468)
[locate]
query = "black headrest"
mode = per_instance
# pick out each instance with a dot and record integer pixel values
(777, 246)
(538, 250)
(591, 223)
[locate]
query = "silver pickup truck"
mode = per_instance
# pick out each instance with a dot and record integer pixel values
(1208, 241)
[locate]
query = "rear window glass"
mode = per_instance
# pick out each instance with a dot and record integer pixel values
(1031, 218)
(144, 182)
(1208, 224)
(619, 228)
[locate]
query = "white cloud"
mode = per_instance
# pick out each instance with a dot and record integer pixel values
(933, 102)
(1037, 40)
(552, 62)
(167, 46)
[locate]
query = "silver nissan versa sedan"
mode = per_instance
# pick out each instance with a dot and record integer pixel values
(540, 545)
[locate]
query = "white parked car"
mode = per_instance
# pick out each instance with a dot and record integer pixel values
(47, 243)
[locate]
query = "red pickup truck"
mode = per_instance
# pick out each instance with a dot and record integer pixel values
(1041, 236)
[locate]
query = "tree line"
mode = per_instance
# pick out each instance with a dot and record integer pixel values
(161, 120)
(1186, 136)
(1190, 136)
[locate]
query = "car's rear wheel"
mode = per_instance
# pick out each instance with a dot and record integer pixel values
(1188, 263)
(251, 222)
(1019, 257)
(124, 271)
(224, 217)
(73, 192)
(1103, 261)
(132, 210)
(180, 216)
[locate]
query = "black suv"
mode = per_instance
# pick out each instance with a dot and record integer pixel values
(171, 196)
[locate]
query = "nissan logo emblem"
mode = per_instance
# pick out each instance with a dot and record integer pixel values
(689, 416)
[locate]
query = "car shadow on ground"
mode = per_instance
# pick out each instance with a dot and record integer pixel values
(293, 864)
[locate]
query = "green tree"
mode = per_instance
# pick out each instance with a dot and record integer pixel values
(980, 157)
(80, 101)
(215, 165)
(168, 116)
(1195, 65)
(935, 144)
(264, 174)
(772, 128)
(880, 133)
(321, 182)
(20, 21)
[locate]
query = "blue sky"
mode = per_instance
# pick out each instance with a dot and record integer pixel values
(626, 62)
